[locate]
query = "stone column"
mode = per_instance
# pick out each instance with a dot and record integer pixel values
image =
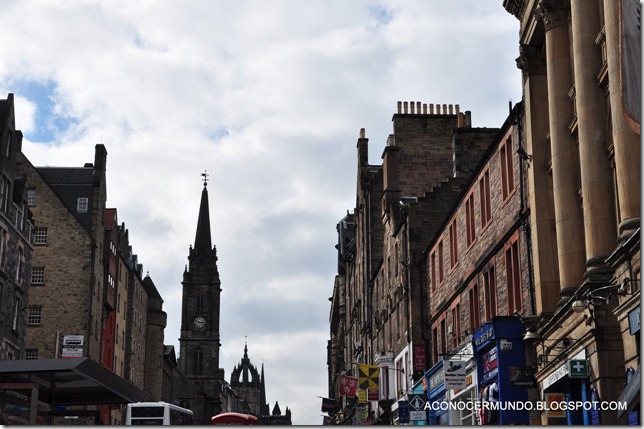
(626, 142)
(565, 158)
(596, 176)
(532, 62)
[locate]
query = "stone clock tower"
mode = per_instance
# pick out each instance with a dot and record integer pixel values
(199, 341)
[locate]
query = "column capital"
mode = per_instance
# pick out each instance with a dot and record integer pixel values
(553, 13)
(531, 60)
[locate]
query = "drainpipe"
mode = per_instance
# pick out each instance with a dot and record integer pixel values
(523, 211)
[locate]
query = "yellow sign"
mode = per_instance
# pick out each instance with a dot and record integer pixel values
(554, 402)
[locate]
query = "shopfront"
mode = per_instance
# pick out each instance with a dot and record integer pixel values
(438, 409)
(463, 410)
(499, 352)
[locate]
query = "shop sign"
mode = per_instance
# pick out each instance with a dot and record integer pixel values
(561, 372)
(417, 407)
(72, 346)
(555, 411)
(454, 374)
(403, 412)
(468, 382)
(488, 333)
(419, 358)
(522, 376)
(578, 368)
(436, 380)
(489, 361)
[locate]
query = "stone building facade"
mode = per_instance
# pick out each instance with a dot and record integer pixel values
(380, 302)
(583, 105)
(16, 234)
(69, 205)
(87, 285)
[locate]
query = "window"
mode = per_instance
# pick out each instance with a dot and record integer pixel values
(507, 169)
(513, 273)
(31, 354)
(489, 285)
(198, 361)
(453, 244)
(435, 345)
(475, 308)
(31, 197)
(34, 315)
(470, 226)
(4, 245)
(456, 325)
(19, 265)
(443, 338)
(40, 236)
(19, 221)
(433, 279)
(81, 205)
(8, 145)
(16, 312)
(486, 202)
(5, 194)
(441, 274)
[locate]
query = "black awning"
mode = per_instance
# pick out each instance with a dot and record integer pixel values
(71, 381)
(631, 393)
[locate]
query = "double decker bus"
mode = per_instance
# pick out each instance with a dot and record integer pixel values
(157, 414)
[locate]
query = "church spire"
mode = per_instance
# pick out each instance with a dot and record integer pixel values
(202, 238)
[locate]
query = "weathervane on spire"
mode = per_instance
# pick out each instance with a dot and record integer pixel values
(205, 178)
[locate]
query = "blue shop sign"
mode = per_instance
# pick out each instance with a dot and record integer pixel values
(483, 335)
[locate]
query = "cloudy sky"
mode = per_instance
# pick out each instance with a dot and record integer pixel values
(269, 98)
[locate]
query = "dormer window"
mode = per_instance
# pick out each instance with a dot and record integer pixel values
(82, 204)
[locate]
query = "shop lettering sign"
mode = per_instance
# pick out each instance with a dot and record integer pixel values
(487, 334)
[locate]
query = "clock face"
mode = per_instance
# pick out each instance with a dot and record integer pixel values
(199, 322)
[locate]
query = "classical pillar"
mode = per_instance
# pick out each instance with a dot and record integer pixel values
(532, 62)
(565, 158)
(600, 225)
(626, 142)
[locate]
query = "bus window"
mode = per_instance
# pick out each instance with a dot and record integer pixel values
(157, 414)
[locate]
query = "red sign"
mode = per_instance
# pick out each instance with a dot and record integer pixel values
(419, 358)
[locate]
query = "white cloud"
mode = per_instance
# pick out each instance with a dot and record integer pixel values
(269, 97)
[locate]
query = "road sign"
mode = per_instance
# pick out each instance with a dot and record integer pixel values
(578, 368)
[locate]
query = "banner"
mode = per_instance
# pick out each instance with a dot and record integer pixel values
(328, 405)
(348, 386)
(368, 376)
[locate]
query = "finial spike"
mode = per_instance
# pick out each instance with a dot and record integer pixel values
(205, 178)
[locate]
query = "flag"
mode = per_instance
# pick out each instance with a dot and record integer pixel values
(348, 386)
(368, 376)
(328, 405)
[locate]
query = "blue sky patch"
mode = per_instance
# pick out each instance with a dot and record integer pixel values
(47, 125)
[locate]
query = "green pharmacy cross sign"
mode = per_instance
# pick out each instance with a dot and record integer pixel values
(578, 368)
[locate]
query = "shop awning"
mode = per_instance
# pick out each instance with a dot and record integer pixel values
(70, 381)
(631, 393)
